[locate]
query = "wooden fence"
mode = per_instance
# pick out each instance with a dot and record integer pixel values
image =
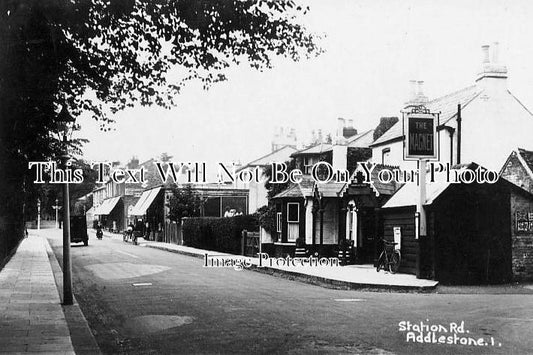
(173, 233)
(250, 243)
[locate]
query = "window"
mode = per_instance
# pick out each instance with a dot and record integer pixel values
(307, 168)
(385, 156)
(308, 164)
(293, 212)
(278, 222)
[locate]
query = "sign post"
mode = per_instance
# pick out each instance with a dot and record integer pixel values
(421, 144)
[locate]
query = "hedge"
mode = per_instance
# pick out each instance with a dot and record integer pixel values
(218, 234)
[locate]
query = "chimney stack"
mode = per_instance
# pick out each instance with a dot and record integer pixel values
(492, 71)
(485, 53)
(340, 126)
(349, 130)
(416, 94)
(283, 136)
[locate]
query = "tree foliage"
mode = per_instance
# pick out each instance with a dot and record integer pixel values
(100, 56)
(125, 52)
(184, 202)
(275, 188)
(266, 215)
(384, 124)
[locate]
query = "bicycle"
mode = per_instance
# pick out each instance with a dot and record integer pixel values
(390, 257)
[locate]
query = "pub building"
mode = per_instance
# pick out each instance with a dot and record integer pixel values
(476, 233)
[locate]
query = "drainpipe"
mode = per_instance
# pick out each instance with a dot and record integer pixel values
(313, 230)
(459, 133)
(451, 144)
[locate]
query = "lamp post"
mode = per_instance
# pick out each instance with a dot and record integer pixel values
(66, 125)
(38, 214)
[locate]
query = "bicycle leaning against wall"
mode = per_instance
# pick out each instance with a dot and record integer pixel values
(390, 257)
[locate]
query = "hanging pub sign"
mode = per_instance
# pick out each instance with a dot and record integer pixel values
(420, 132)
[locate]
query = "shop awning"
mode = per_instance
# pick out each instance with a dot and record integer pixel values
(144, 202)
(107, 206)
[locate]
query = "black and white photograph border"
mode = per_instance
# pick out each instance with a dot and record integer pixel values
(289, 177)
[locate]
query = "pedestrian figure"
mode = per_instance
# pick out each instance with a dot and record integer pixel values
(227, 212)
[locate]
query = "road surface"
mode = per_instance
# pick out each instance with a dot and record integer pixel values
(147, 301)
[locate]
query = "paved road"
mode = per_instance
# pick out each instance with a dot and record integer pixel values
(143, 300)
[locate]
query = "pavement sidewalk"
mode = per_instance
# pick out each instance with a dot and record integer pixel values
(32, 318)
(351, 276)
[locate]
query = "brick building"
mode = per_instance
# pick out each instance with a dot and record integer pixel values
(518, 169)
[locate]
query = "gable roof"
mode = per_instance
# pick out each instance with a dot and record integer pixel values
(330, 189)
(301, 190)
(446, 105)
(271, 157)
(527, 159)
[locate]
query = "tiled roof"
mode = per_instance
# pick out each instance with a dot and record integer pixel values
(361, 140)
(527, 155)
(292, 191)
(446, 105)
(316, 149)
(337, 189)
(274, 156)
(303, 189)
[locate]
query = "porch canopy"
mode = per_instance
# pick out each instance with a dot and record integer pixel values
(146, 199)
(107, 206)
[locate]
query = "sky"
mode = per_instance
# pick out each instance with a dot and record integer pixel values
(373, 48)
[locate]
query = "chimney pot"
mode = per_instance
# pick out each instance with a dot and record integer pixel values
(412, 92)
(340, 126)
(350, 123)
(420, 88)
(485, 52)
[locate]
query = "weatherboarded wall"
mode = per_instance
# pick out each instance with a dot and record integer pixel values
(404, 219)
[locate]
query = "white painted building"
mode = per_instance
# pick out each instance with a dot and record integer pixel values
(493, 121)
(257, 192)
